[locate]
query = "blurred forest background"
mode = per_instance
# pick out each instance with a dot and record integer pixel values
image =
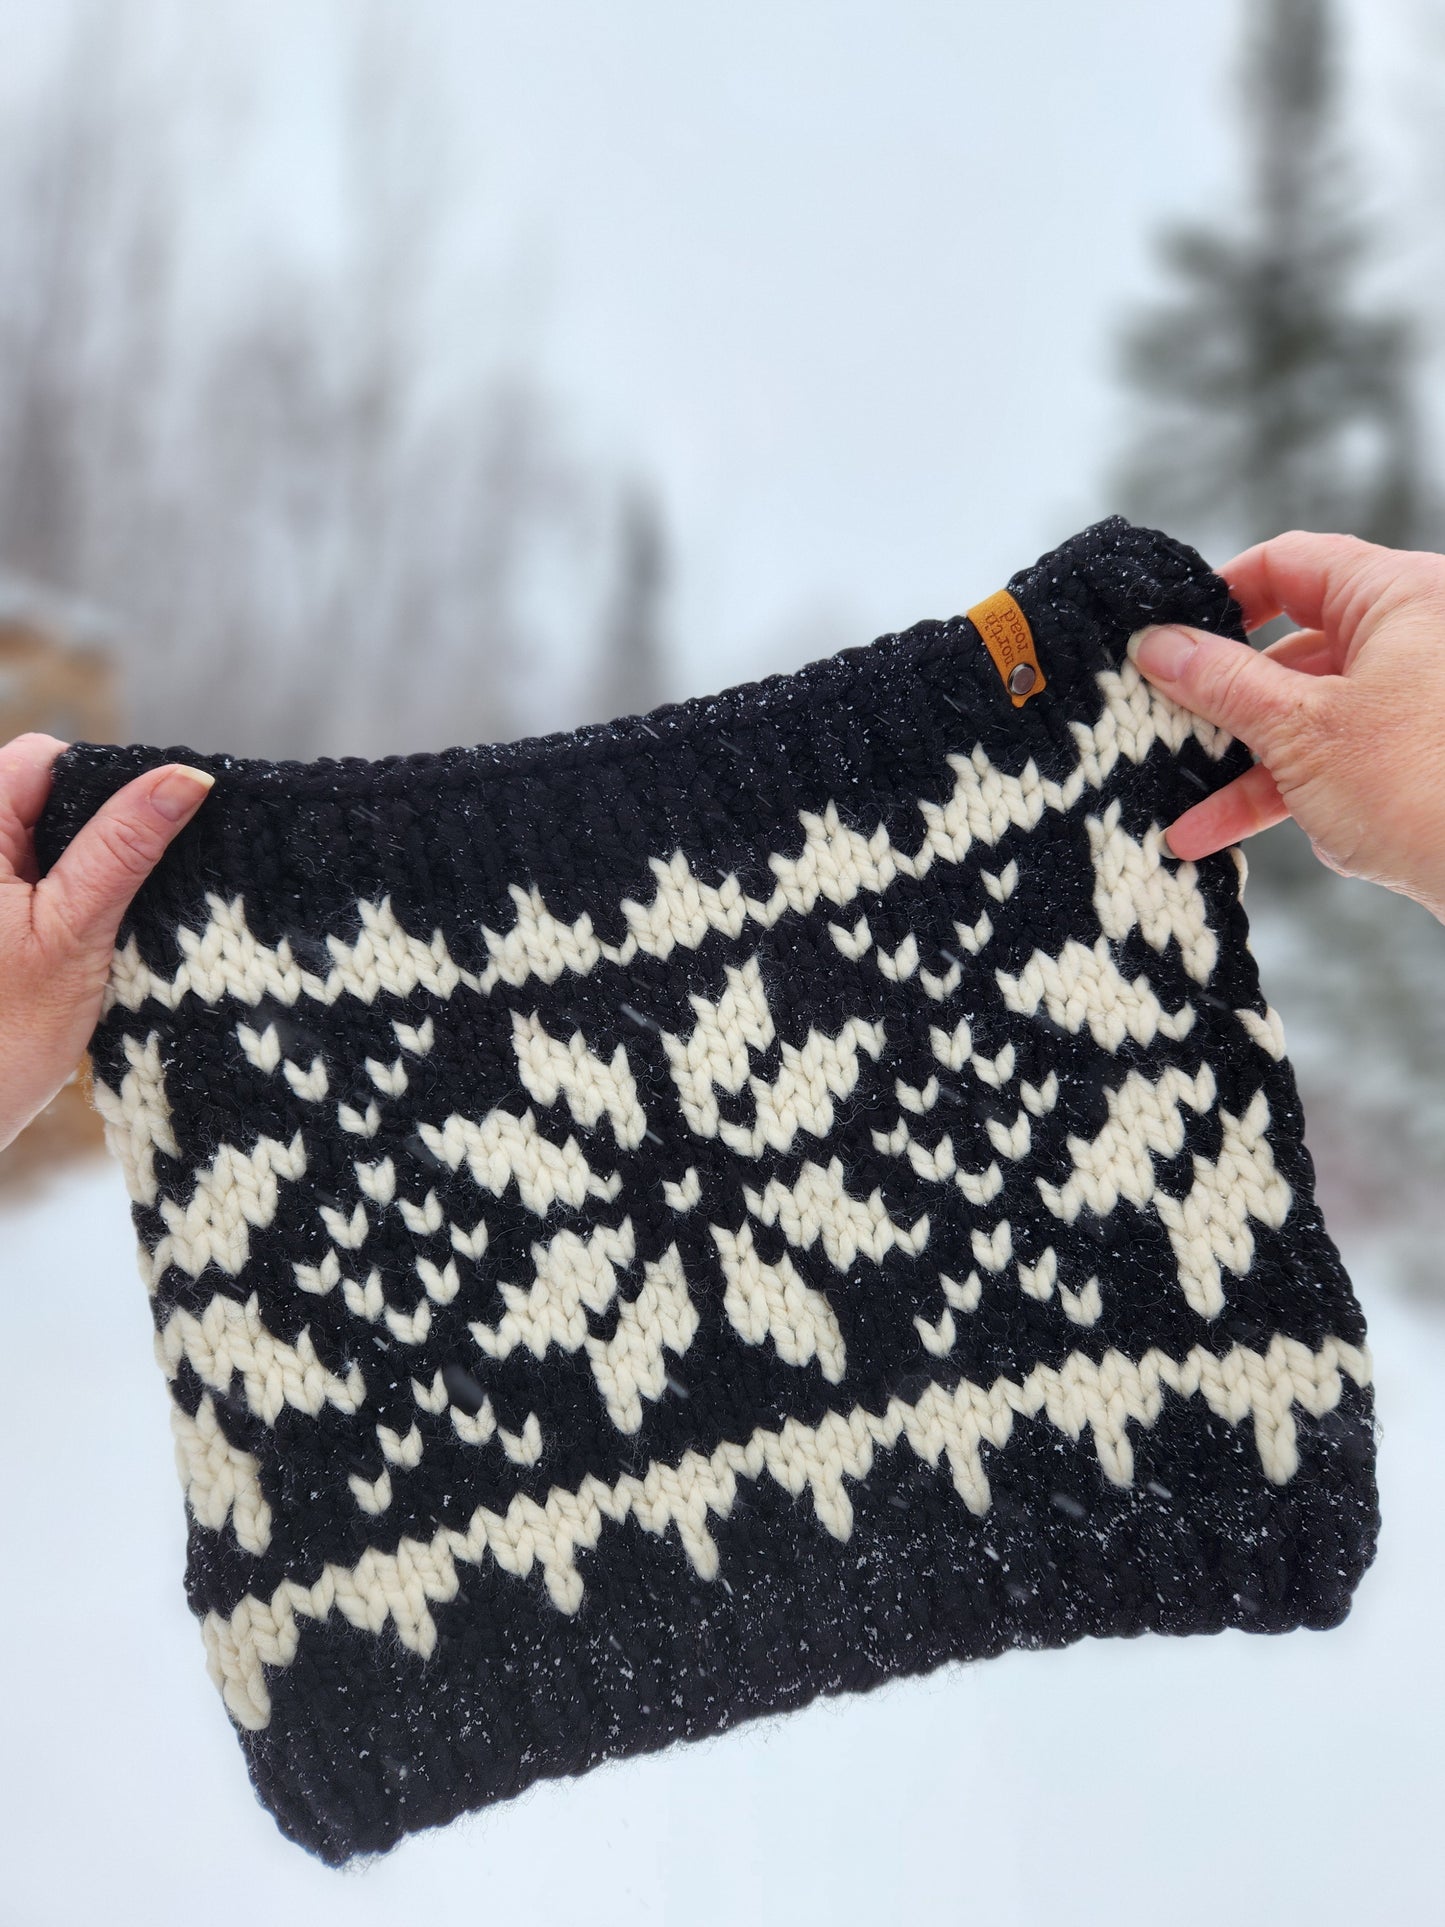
(1299, 391)
(276, 449)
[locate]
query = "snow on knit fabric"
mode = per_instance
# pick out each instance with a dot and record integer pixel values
(649, 1225)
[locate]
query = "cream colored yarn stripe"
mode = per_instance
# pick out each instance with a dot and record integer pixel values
(836, 863)
(398, 1589)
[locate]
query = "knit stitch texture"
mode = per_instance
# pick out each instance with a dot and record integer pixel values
(648, 1225)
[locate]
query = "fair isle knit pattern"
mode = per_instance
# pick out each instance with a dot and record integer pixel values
(649, 1225)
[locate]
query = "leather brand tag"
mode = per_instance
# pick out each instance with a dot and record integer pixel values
(1009, 640)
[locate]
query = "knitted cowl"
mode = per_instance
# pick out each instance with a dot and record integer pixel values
(648, 1225)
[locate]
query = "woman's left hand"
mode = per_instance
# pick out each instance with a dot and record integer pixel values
(57, 933)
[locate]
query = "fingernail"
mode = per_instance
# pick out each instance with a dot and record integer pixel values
(179, 791)
(1161, 653)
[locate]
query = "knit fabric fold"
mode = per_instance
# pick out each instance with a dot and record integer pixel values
(648, 1225)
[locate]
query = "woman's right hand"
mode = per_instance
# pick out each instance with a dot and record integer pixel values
(1346, 716)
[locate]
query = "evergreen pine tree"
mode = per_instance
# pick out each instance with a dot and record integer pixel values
(1271, 396)
(632, 660)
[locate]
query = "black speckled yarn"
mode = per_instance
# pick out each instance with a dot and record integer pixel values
(650, 1225)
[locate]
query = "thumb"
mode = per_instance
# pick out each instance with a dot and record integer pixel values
(85, 895)
(1252, 695)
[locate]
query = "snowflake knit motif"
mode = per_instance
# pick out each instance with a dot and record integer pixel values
(648, 1225)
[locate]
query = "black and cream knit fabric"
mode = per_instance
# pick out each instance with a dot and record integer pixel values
(648, 1225)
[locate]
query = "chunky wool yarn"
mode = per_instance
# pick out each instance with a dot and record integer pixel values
(649, 1225)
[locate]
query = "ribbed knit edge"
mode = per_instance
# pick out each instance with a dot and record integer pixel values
(1082, 599)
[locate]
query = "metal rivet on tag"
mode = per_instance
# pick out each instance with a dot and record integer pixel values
(1004, 630)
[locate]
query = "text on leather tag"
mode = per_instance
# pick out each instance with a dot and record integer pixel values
(1009, 640)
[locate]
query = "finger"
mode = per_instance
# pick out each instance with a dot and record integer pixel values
(1242, 689)
(1250, 803)
(1309, 651)
(24, 785)
(82, 900)
(1316, 580)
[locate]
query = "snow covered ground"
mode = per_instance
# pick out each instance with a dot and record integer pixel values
(1236, 1778)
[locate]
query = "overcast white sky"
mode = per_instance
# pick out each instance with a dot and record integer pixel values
(843, 279)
